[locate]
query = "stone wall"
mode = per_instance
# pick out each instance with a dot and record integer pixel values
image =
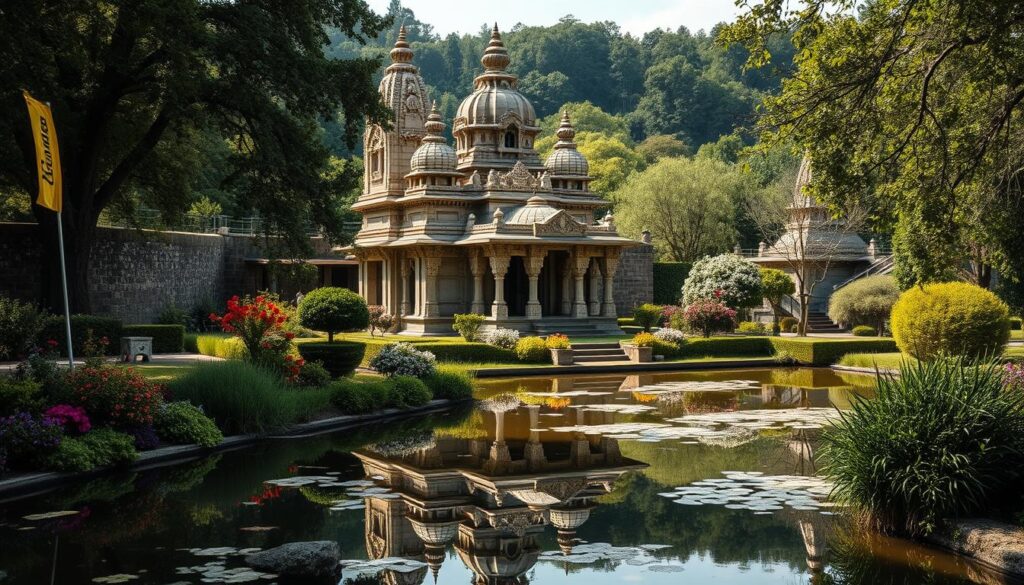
(135, 274)
(634, 279)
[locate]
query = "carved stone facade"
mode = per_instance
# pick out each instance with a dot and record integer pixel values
(433, 213)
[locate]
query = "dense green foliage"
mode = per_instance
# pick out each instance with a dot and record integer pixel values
(866, 301)
(825, 352)
(333, 309)
(939, 441)
(467, 325)
(450, 383)
(161, 102)
(775, 286)
(407, 392)
(647, 316)
(355, 397)
(532, 349)
(447, 351)
(20, 324)
(864, 331)
(182, 423)
(953, 318)
(97, 448)
(340, 358)
(19, 395)
(83, 327)
(668, 282)
(166, 338)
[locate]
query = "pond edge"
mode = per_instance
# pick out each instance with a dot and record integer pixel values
(990, 543)
(25, 485)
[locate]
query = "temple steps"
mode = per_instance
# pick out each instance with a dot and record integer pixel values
(598, 352)
(820, 323)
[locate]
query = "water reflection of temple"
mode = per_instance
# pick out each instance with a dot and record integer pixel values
(490, 497)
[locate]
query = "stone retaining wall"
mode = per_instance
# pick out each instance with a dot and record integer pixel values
(634, 279)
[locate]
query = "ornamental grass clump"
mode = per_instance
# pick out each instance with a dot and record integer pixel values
(942, 440)
(240, 397)
(402, 359)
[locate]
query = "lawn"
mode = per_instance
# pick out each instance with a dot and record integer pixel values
(893, 360)
(163, 372)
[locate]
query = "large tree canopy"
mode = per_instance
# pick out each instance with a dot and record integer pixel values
(138, 87)
(914, 108)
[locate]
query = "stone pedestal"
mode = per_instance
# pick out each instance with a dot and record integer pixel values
(133, 347)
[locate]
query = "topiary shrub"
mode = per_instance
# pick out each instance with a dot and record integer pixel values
(166, 338)
(727, 278)
(312, 375)
(752, 328)
(20, 324)
(941, 440)
(408, 392)
(867, 301)
(98, 448)
(532, 349)
(953, 318)
(450, 383)
(647, 316)
(333, 310)
(467, 325)
(402, 359)
(339, 358)
(864, 331)
(182, 423)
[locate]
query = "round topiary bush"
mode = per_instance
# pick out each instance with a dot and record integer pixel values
(532, 349)
(408, 392)
(333, 310)
(953, 318)
(788, 323)
(340, 358)
(864, 331)
(727, 278)
(867, 301)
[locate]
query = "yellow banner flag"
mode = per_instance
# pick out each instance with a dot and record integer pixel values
(44, 132)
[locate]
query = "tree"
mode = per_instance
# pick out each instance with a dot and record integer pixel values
(913, 108)
(866, 301)
(659, 146)
(586, 117)
(333, 309)
(726, 278)
(134, 85)
(775, 285)
(687, 204)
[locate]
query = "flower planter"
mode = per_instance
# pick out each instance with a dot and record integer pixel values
(638, 355)
(561, 357)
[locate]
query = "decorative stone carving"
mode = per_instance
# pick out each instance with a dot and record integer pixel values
(545, 180)
(499, 217)
(433, 266)
(517, 522)
(560, 223)
(561, 489)
(470, 221)
(475, 180)
(499, 265)
(519, 177)
(492, 178)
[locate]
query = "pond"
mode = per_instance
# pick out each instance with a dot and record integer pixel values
(702, 477)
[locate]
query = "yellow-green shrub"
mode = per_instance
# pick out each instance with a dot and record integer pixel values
(954, 318)
(644, 340)
(557, 341)
(532, 349)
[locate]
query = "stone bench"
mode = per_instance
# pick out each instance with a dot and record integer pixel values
(132, 347)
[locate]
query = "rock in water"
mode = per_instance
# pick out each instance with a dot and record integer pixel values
(308, 561)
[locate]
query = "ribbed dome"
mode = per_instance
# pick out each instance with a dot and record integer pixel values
(494, 95)
(570, 518)
(565, 160)
(535, 211)
(433, 156)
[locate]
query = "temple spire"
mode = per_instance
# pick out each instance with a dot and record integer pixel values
(565, 132)
(495, 57)
(401, 53)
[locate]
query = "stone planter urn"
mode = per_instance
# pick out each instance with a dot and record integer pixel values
(561, 357)
(638, 355)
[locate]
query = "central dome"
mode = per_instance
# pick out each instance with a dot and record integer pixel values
(495, 99)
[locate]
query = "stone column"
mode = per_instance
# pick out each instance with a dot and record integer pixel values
(533, 451)
(433, 268)
(360, 275)
(477, 268)
(579, 271)
(595, 294)
(567, 286)
(533, 265)
(499, 267)
(404, 273)
(610, 265)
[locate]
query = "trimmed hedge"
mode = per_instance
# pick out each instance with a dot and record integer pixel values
(456, 351)
(53, 328)
(668, 281)
(825, 352)
(697, 347)
(1015, 323)
(340, 358)
(166, 338)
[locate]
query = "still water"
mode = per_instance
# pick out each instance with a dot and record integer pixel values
(702, 478)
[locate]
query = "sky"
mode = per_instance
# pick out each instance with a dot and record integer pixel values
(634, 16)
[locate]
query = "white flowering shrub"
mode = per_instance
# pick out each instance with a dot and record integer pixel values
(503, 338)
(402, 359)
(727, 278)
(670, 335)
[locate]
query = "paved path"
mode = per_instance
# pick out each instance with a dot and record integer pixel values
(162, 359)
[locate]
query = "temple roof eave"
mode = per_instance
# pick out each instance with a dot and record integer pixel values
(494, 238)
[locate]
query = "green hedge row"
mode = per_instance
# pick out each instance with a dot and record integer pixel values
(726, 347)
(825, 352)
(166, 338)
(81, 325)
(668, 281)
(446, 352)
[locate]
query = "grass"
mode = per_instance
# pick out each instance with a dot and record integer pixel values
(893, 360)
(163, 373)
(1017, 334)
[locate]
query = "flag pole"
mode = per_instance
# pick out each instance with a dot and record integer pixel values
(64, 285)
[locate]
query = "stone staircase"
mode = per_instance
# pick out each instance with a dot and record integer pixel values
(598, 352)
(576, 327)
(820, 323)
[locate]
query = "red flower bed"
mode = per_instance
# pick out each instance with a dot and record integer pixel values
(115, 396)
(258, 323)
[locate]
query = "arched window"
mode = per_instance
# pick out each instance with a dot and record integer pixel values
(512, 137)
